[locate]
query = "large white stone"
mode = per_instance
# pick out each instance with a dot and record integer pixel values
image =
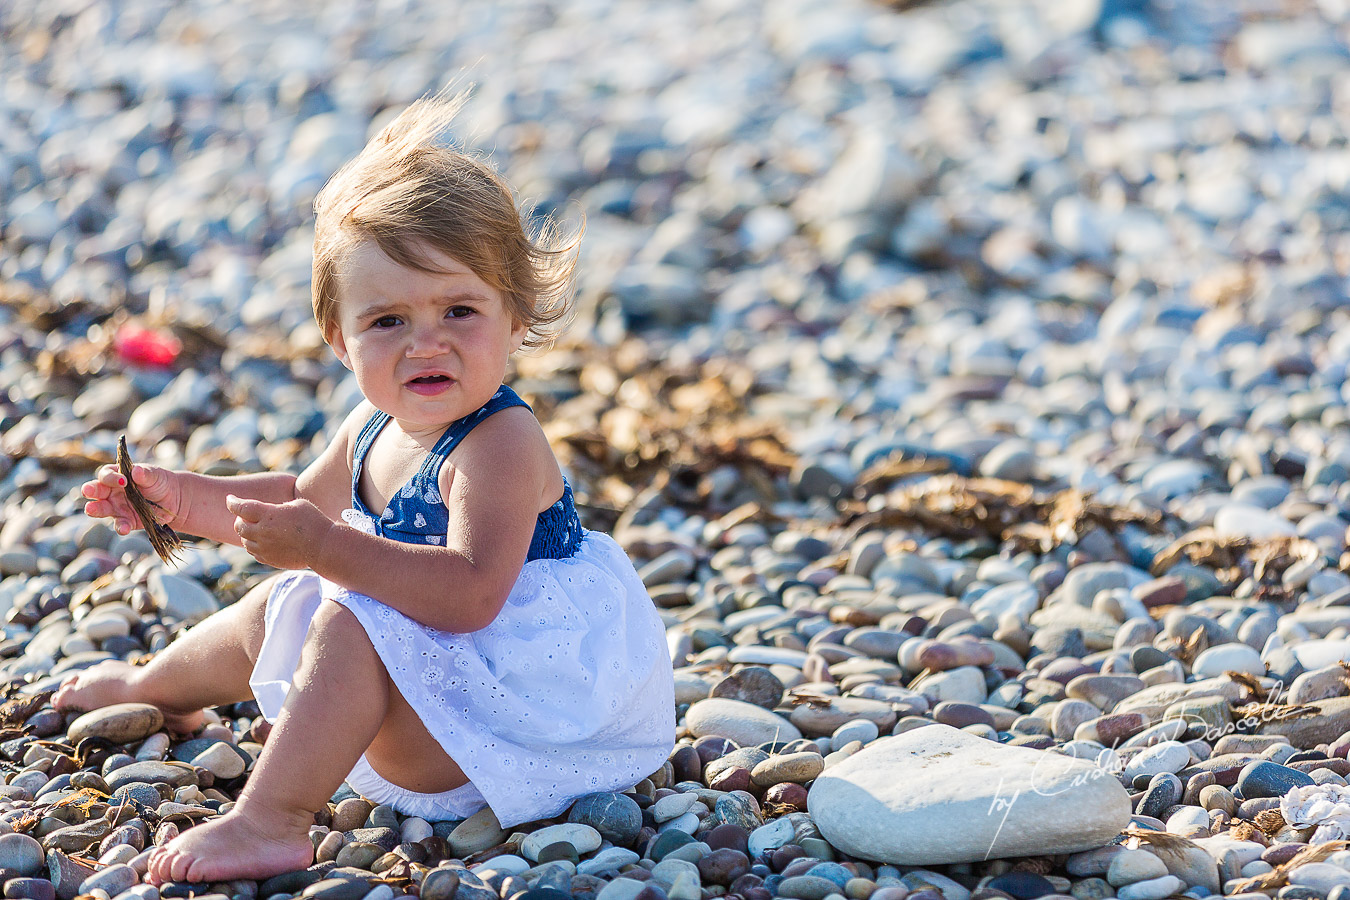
(745, 723)
(767, 656)
(1318, 654)
(1242, 520)
(181, 598)
(1228, 658)
(941, 795)
(583, 837)
(964, 684)
(1165, 756)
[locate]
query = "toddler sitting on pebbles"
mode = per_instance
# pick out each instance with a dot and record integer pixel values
(450, 636)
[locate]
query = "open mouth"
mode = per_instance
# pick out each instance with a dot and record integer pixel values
(429, 385)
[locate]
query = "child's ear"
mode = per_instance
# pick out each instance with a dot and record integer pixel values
(338, 345)
(519, 331)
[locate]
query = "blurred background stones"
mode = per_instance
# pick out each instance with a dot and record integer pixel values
(974, 366)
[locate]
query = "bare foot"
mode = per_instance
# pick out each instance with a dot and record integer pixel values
(114, 681)
(247, 842)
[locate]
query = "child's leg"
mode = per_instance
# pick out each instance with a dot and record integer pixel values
(339, 705)
(207, 666)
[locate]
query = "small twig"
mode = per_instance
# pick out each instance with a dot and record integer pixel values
(163, 538)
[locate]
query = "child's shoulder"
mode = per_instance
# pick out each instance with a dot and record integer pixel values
(508, 445)
(512, 434)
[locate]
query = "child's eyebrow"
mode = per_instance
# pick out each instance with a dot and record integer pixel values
(464, 296)
(375, 308)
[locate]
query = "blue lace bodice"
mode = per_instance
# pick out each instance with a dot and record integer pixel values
(416, 514)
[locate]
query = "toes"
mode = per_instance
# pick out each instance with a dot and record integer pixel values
(154, 865)
(179, 865)
(63, 693)
(163, 863)
(196, 871)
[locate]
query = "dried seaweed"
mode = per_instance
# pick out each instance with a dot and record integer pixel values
(1273, 881)
(163, 538)
(1137, 836)
(991, 508)
(84, 799)
(797, 697)
(1269, 821)
(1233, 559)
(1190, 647)
(1251, 683)
(15, 711)
(877, 477)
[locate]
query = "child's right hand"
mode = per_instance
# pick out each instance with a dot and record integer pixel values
(107, 496)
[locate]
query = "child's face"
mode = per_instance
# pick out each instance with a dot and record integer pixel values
(427, 348)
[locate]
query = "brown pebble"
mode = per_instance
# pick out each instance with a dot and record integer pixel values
(736, 778)
(781, 858)
(794, 767)
(687, 763)
(852, 615)
(787, 794)
(1115, 728)
(727, 837)
(723, 866)
(329, 847)
(1282, 853)
(889, 892)
(351, 814)
(711, 747)
(1215, 796)
(1340, 766)
(941, 655)
(1166, 591)
(959, 715)
(1194, 785)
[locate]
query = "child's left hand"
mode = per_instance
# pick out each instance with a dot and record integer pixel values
(283, 535)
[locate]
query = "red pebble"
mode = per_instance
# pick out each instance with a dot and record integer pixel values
(141, 346)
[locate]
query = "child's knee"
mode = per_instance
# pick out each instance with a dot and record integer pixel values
(336, 635)
(333, 621)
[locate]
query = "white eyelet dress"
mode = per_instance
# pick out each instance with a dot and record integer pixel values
(569, 691)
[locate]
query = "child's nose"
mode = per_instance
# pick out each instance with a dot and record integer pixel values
(428, 342)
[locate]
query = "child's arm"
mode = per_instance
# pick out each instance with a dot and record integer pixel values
(500, 478)
(196, 504)
(187, 502)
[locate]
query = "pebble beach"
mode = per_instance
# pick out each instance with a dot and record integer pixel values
(967, 380)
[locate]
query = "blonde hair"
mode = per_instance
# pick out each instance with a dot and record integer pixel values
(411, 189)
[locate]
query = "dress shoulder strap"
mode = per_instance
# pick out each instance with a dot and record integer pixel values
(365, 439)
(505, 398)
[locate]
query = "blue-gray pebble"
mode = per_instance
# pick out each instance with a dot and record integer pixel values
(1268, 779)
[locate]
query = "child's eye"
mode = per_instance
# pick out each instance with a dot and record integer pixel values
(386, 322)
(459, 312)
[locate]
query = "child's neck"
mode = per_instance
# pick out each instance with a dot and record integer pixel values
(415, 433)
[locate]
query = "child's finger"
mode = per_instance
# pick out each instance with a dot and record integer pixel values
(94, 490)
(111, 477)
(252, 548)
(248, 510)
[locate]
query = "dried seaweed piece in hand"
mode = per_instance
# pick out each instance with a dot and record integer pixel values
(163, 538)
